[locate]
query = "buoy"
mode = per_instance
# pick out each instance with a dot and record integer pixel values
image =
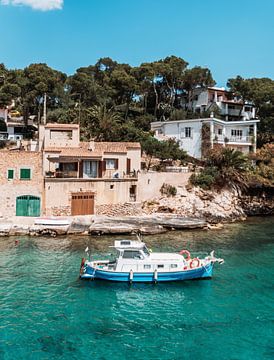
(187, 253)
(16, 242)
(195, 263)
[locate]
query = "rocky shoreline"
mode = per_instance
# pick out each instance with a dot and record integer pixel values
(98, 225)
(191, 208)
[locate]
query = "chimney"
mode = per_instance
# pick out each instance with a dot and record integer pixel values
(91, 145)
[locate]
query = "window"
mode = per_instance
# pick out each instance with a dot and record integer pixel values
(237, 133)
(220, 131)
(25, 174)
(147, 266)
(248, 108)
(160, 266)
(145, 250)
(10, 174)
(111, 164)
(125, 242)
(111, 187)
(188, 132)
(231, 107)
(173, 266)
(132, 255)
(90, 169)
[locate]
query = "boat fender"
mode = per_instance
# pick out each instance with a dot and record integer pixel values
(194, 263)
(83, 262)
(155, 275)
(82, 267)
(187, 253)
(131, 276)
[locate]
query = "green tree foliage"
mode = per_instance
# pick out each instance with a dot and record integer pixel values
(117, 102)
(8, 89)
(223, 168)
(196, 77)
(102, 122)
(263, 172)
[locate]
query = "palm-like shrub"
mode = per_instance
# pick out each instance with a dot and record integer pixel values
(232, 166)
(103, 122)
(223, 168)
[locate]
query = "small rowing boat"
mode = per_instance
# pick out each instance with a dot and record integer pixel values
(51, 221)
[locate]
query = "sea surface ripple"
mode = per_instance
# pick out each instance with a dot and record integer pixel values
(46, 312)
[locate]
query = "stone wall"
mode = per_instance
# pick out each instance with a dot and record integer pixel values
(123, 209)
(150, 183)
(107, 191)
(10, 189)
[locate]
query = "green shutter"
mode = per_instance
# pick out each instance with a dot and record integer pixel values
(10, 174)
(25, 174)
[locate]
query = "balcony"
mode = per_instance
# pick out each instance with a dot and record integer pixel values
(233, 139)
(74, 175)
(62, 174)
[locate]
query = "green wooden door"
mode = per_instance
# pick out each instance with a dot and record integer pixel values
(27, 205)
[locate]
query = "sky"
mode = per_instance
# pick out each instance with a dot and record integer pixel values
(234, 37)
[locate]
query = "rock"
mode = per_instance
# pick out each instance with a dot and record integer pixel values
(215, 227)
(152, 230)
(80, 225)
(19, 230)
(37, 230)
(5, 229)
(112, 228)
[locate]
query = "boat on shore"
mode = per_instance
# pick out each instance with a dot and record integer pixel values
(136, 263)
(51, 221)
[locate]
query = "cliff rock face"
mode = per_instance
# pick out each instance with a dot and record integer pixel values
(258, 205)
(224, 206)
(213, 206)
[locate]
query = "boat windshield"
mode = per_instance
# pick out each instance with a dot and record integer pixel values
(146, 251)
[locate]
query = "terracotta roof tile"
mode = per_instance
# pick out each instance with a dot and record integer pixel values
(84, 149)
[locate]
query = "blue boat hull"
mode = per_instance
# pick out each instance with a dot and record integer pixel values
(198, 273)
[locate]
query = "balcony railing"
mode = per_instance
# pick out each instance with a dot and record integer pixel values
(75, 175)
(233, 139)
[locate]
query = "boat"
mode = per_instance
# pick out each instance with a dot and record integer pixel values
(51, 221)
(135, 263)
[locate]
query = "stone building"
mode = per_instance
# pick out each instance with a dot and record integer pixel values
(21, 183)
(80, 177)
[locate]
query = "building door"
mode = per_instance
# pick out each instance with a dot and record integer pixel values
(82, 203)
(133, 193)
(27, 205)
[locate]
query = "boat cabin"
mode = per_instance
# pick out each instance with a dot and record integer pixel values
(128, 249)
(135, 256)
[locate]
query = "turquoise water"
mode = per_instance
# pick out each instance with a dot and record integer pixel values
(47, 313)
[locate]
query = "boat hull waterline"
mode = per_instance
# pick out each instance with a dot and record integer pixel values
(204, 272)
(136, 263)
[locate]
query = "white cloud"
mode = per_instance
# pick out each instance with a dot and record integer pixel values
(43, 5)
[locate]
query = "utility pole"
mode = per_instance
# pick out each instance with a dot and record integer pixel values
(79, 118)
(45, 109)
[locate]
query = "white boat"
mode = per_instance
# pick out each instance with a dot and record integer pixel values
(135, 263)
(51, 221)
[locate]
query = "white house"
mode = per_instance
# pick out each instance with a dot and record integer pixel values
(228, 105)
(239, 134)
